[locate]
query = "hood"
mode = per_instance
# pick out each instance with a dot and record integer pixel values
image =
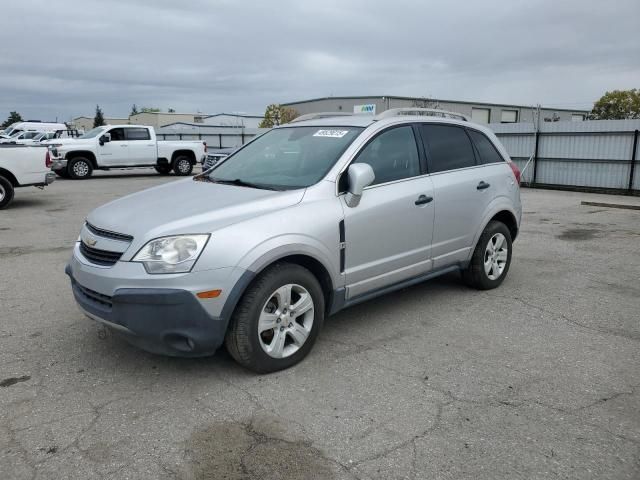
(187, 206)
(66, 141)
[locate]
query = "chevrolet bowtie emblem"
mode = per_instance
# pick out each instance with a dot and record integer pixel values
(91, 241)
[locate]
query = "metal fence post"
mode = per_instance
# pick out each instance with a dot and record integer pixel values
(535, 157)
(634, 150)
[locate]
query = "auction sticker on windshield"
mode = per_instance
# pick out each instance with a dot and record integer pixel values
(331, 133)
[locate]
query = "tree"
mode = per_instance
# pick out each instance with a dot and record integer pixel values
(171, 110)
(134, 110)
(149, 110)
(98, 120)
(617, 105)
(276, 114)
(13, 118)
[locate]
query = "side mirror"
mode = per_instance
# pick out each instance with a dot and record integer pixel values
(105, 138)
(360, 176)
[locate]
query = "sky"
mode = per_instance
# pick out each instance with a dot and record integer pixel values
(60, 58)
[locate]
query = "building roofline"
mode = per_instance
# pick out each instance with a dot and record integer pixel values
(243, 115)
(382, 97)
(203, 115)
(202, 125)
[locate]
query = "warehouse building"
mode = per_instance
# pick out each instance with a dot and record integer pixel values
(479, 112)
(86, 123)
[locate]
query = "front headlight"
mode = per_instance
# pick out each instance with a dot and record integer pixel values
(171, 254)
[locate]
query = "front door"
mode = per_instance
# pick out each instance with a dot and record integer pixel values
(388, 235)
(142, 150)
(116, 152)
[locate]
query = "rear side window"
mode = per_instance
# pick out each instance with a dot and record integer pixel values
(117, 134)
(393, 155)
(138, 134)
(448, 148)
(486, 150)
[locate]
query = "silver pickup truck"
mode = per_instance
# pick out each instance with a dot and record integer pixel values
(124, 146)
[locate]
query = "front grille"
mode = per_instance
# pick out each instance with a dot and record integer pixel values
(212, 160)
(99, 257)
(94, 296)
(107, 234)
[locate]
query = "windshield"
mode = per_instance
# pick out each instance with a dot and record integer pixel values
(287, 158)
(93, 133)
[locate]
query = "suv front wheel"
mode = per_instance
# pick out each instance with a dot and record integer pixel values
(491, 258)
(277, 320)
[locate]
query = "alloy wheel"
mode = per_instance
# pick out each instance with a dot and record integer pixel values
(80, 169)
(285, 321)
(495, 256)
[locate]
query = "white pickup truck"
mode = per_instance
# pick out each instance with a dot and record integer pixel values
(23, 167)
(123, 146)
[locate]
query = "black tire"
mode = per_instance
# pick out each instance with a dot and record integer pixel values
(6, 192)
(475, 275)
(182, 165)
(163, 169)
(242, 340)
(63, 173)
(79, 168)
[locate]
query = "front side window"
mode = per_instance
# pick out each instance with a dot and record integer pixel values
(286, 158)
(93, 132)
(393, 155)
(138, 134)
(117, 134)
(486, 150)
(448, 148)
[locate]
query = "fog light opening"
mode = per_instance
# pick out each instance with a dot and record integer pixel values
(179, 342)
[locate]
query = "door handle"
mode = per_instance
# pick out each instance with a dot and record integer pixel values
(483, 185)
(423, 199)
(123, 146)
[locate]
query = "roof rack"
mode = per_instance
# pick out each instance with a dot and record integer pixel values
(426, 112)
(315, 116)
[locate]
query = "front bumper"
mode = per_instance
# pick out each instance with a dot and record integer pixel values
(158, 317)
(59, 164)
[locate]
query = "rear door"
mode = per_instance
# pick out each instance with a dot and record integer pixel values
(142, 149)
(388, 235)
(116, 152)
(461, 191)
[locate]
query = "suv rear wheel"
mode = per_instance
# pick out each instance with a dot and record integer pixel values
(491, 258)
(277, 320)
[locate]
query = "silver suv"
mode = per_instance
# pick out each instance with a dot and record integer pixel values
(305, 220)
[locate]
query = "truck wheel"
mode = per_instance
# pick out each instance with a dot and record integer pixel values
(163, 169)
(63, 173)
(6, 192)
(79, 168)
(491, 258)
(182, 165)
(277, 321)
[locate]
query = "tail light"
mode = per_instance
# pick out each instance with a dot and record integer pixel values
(516, 171)
(47, 160)
(205, 147)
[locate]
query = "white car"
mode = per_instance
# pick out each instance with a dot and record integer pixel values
(123, 146)
(18, 127)
(23, 167)
(23, 138)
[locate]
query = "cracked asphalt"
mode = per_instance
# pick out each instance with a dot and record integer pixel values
(537, 379)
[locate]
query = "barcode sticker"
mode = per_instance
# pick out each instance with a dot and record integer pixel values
(331, 133)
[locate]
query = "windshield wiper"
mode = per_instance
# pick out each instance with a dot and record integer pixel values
(242, 183)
